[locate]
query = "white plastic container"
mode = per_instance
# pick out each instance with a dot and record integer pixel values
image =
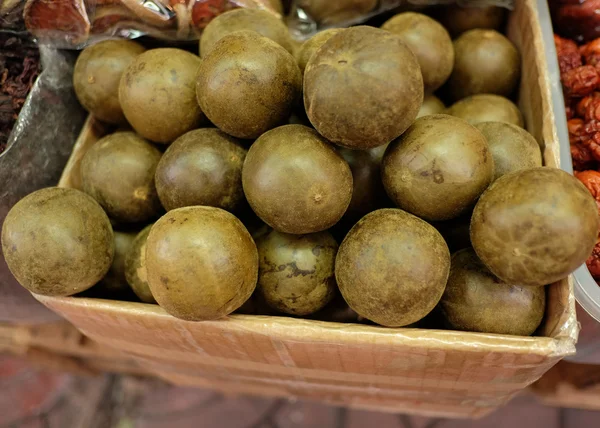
(587, 291)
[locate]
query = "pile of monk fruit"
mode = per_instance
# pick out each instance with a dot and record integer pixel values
(290, 173)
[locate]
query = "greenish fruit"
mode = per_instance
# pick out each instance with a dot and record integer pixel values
(296, 272)
(431, 105)
(57, 242)
(114, 284)
(487, 108)
(485, 62)
(157, 94)
(262, 22)
(459, 19)
(296, 181)
(135, 267)
(438, 168)
(202, 167)
(118, 172)
(476, 300)
(512, 147)
(362, 88)
(392, 267)
(534, 226)
(96, 77)
(429, 41)
(309, 47)
(245, 97)
(202, 263)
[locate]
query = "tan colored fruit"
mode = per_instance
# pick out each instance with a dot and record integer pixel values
(202, 263)
(458, 19)
(429, 41)
(476, 300)
(438, 168)
(309, 47)
(135, 267)
(157, 94)
(486, 108)
(431, 105)
(362, 88)
(264, 23)
(202, 167)
(296, 272)
(96, 77)
(118, 172)
(114, 285)
(296, 181)
(486, 62)
(245, 97)
(392, 267)
(57, 242)
(512, 147)
(534, 226)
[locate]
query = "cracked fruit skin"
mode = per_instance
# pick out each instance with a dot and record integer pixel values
(392, 267)
(57, 242)
(202, 263)
(476, 300)
(535, 226)
(296, 181)
(296, 272)
(438, 168)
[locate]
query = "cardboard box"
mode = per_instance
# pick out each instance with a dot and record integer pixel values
(428, 372)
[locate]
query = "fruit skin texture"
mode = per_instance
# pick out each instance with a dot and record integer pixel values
(135, 267)
(57, 242)
(534, 227)
(202, 263)
(157, 94)
(512, 147)
(264, 23)
(431, 105)
(458, 19)
(486, 108)
(296, 181)
(96, 77)
(296, 272)
(114, 285)
(309, 47)
(118, 172)
(485, 62)
(438, 168)
(476, 300)
(202, 167)
(429, 41)
(248, 84)
(392, 267)
(362, 88)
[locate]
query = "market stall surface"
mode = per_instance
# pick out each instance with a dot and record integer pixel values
(33, 398)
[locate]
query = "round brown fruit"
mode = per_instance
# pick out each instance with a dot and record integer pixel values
(245, 97)
(438, 168)
(135, 267)
(309, 47)
(202, 167)
(262, 22)
(296, 272)
(327, 12)
(118, 172)
(485, 62)
(486, 108)
(296, 181)
(392, 267)
(476, 300)
(512, 147)
(534, 226)
(362, 88)
(202, 263)
(114, 285)
(431, 105)
(57, 242)
(157, 94)
(429, 41)
(96, 77)
(458, 19)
